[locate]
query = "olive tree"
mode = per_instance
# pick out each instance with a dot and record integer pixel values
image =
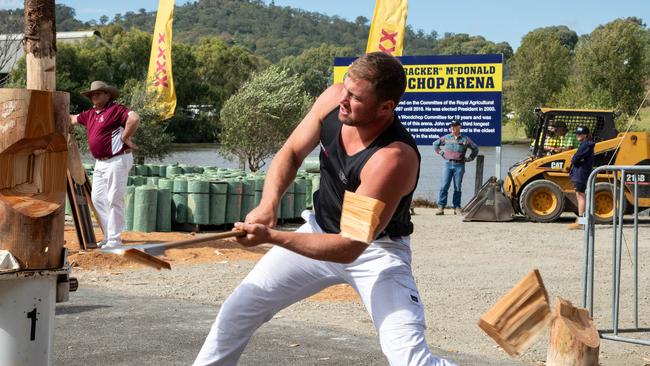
(257, 120)
(611, 66)
(152, 140)
(540, 70)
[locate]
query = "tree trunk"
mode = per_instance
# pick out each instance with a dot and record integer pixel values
(40, 44)
(573, 341)
(33, 157)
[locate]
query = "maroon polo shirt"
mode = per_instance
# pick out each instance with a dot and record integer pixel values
(105, 129)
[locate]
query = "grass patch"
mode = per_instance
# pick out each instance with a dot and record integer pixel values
(511, 133)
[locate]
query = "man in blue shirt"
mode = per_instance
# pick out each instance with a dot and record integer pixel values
(452, 147)
(581, 165)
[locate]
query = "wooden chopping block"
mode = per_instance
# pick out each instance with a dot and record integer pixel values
(574, 340)
(520, 316)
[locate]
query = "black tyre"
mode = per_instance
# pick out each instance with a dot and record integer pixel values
(542, 201)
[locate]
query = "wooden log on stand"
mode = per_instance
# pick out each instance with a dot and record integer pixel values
(573, 340)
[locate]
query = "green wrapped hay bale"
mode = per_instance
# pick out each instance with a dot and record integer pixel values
(315, 183)
(218, 199)
(164, 210)
(288, 203)
(173, 170)
(248, 197)
(139, 180)
(154, 170)
(145, 209)
(152, 181)
(309, 199)
(129, 202)
(162, 170)
(299, 196)
(179, 200)
(199, 170)
(142, 170)
(234, 201)
(312, 164)
(164, 183)
(259, 188)
(198, 202)
(129, 180)
(187, 169)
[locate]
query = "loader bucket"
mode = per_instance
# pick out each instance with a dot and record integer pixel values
(489, 204)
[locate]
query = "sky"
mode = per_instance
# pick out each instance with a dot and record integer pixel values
(497, 21)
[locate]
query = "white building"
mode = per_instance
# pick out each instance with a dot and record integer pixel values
(11, 47)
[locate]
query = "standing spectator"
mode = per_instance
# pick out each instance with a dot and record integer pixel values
(581, 165)
(452, 147)
(110, 128)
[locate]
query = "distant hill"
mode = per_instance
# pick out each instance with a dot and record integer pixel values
(269, 31)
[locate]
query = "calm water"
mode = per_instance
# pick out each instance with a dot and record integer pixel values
(431, 167)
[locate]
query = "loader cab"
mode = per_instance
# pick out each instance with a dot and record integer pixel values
(556, 128)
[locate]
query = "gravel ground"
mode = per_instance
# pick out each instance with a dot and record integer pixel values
(461, 269)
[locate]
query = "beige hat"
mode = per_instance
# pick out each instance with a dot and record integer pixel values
(98, 85)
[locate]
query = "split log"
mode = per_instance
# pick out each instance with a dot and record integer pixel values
(360, 217)
(573, 341)
(33, 157)
(520, 316)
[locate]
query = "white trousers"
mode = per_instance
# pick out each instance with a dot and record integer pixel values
(381, 276)
(109, 188)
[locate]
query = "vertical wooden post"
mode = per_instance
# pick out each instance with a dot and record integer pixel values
(40, 44)
(478, 182)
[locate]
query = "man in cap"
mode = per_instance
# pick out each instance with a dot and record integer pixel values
(111, 127)
(581, 165)
(453, 147)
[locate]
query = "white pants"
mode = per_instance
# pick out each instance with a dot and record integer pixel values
(109, 188)
(381, 276)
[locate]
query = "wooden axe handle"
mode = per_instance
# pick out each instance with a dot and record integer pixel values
(204, 238)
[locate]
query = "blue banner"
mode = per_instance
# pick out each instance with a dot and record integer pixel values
(442, 89)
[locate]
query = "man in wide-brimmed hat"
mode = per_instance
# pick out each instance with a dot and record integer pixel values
(110, 128)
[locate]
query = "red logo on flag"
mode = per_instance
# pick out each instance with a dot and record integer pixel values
(161, 63)
(392, 41)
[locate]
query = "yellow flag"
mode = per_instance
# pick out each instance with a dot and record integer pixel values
(388, 27)
(160, 62)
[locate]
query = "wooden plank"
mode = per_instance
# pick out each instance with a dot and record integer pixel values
(84, 223)
(75, 216)
(88, 194)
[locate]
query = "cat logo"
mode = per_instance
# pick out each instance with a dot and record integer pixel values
(554, 165)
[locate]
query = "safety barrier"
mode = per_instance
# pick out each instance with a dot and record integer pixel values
(622, 176)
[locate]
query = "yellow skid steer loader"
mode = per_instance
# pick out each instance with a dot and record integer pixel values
(539, 187)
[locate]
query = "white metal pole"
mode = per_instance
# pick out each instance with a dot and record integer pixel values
(498, 162)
